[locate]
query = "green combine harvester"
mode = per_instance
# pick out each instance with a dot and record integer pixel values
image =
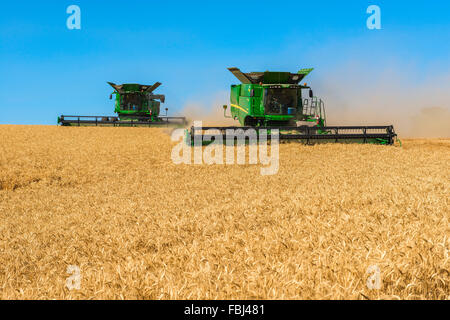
(135, 105)
(277, 100)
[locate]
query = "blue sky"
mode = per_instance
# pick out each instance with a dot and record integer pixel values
(47, 70)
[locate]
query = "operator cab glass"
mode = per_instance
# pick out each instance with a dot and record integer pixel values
(280, 101)
(131, 101)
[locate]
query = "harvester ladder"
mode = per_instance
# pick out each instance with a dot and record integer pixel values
(314, 107)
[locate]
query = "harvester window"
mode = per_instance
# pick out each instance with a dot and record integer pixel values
(279, 100)
(131, 101)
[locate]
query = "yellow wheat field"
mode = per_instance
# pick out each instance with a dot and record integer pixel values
(111, 202)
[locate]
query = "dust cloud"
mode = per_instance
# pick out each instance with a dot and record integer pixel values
(416, 109)
(211, 113)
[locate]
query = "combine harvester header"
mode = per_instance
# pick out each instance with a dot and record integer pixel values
(135, 105)
(275, 100)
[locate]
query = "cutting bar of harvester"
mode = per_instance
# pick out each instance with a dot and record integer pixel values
(308, 135)
(116, 122)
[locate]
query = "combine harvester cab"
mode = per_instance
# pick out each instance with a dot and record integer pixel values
(135, 105)
(277, 100)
